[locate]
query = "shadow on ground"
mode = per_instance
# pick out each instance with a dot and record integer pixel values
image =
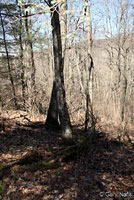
(105, 170)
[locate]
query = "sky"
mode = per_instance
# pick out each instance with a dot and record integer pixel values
(100, 12)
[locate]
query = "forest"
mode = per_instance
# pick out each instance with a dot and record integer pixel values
(66, 99)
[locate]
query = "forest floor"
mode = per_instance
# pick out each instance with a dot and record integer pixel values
(105, 170)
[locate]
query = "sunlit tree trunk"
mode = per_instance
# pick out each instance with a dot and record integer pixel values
(63, 29)
(31, 60)
(63, 25)
(89, 65)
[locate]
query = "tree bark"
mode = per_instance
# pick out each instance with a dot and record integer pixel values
(59, 77)
(52, 115)
(63, 25)
(31, 62)
(89, 66)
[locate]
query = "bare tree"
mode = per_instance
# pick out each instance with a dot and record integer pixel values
(52, 116)
(29, 44)
(89, 66)
(59, 76)
(118, 34)
(8, 63)
(21, 54)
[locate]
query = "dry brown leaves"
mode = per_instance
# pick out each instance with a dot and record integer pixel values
(103, 171)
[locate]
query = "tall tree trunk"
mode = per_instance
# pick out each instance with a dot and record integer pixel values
(23, 81)
(31, 61)
(63, 30)
(59, 77)
(123, 94)
(8, 64)
(89, 66)
(52, 115)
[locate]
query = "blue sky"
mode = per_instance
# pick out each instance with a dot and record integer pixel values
(99, 18)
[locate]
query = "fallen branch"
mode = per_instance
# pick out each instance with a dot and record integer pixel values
(27, 159)
(33, 161)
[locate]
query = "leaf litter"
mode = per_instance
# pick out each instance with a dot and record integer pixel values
(105, 170)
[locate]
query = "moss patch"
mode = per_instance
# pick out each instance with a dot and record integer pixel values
(2, 164)
(16, 168)
(44, 166)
